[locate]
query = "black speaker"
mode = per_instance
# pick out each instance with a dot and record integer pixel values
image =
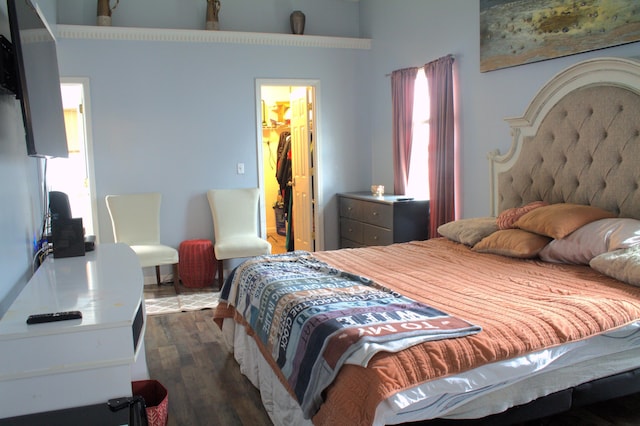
(68, 237)
(59, 206)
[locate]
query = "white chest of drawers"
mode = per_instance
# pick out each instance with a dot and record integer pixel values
(366, 220)
(81, 362)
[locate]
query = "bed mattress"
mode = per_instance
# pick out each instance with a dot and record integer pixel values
(481, 392)
(568, 320)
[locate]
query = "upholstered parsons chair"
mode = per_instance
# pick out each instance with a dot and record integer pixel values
(235, 225)
(136, 222)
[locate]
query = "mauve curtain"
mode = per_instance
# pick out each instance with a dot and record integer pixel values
(402, 84)
(441, 143)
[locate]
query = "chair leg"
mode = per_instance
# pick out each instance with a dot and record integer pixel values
(158, 274)
(176, 278)
(220, 274)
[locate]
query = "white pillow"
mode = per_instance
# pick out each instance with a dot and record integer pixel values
(623, 264)
(593, 239)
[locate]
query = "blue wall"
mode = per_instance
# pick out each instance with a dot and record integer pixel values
(176, 118)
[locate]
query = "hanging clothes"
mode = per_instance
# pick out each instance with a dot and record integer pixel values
(290, 240)
(284, 176)
(283, 169)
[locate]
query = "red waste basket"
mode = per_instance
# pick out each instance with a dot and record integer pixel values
(156, 399)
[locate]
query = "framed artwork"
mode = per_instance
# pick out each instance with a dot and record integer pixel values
(516, 32)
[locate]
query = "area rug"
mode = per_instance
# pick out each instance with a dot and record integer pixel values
(181, 303)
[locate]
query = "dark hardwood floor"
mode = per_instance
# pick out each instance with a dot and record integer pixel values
(185, 352)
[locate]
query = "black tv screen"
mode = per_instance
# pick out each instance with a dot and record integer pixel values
(38, 80)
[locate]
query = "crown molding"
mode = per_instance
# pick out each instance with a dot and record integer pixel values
(88, 32)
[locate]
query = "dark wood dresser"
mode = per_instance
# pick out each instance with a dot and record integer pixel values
(367, 220)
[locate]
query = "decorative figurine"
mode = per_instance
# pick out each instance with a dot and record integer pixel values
(213, 10)
(104, 12)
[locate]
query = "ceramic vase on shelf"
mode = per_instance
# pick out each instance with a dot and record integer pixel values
(104, 12)
(213, 9)
(297, 19)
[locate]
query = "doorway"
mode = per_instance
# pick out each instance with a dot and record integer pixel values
(74, 175)
(288, 163)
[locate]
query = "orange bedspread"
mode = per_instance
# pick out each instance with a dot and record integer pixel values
(521, 305)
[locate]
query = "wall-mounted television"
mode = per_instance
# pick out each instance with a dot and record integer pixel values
(38, 80)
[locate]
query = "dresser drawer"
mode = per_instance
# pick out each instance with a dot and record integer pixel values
(376, 236)
(377, 214)
(350, 208)
(344, 243)
(351, 230)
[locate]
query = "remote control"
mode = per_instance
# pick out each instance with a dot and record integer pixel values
(53, 316)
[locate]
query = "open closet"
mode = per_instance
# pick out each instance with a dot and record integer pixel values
(288, 120)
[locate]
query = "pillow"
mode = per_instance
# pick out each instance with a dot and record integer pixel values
(468, 231)
(593, 239)
(513, 243)
(623, 264)
(559, 220)
(507, 218)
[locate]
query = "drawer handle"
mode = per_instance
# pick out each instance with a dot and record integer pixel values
(375, 237)
(375, 213)
(349, 208)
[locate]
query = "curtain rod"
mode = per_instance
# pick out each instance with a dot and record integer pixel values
(417, 68)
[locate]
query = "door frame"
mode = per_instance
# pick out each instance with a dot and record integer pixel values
(88, 145)
(317, 170)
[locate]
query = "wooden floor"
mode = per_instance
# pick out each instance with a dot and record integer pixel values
(185, 352)
(278, 242)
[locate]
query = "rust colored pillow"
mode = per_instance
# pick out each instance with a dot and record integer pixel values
(512, 243)
(559, 220)
(507, 218)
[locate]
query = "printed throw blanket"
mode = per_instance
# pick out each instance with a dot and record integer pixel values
(313, 318)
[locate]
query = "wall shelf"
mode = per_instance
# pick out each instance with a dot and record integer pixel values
(89, 32)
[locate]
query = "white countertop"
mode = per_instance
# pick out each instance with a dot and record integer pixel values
(104, 294)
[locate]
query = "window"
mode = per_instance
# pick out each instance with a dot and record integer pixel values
(418, 180)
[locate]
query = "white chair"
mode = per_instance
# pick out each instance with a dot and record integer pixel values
(235, 225)
(136, 221)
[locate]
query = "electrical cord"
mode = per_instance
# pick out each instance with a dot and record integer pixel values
(42, 247)
(40, 256)
(45, 207)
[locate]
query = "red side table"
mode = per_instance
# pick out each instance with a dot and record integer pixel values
(197, 265)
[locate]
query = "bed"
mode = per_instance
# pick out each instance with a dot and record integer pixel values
(521, 314)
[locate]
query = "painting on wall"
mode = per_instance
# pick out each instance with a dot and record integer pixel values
(516, 32)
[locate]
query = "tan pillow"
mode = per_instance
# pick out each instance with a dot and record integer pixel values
(507, 218)
(513, 243)
(559, 220)
(623, 264)
(468, 231)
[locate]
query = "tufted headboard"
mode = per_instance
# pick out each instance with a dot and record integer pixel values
(578, 142)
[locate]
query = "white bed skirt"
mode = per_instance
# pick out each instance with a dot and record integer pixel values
(489, 389)
(279, 404)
